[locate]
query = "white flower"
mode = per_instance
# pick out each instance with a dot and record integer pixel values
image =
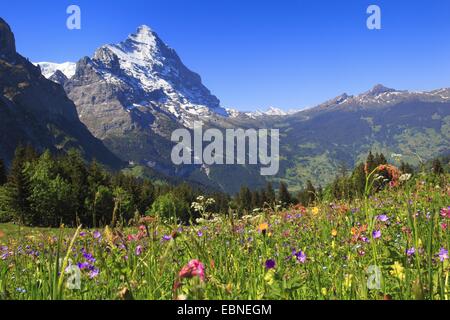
(405, 177)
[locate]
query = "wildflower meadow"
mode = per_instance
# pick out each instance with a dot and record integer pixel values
(387, 245)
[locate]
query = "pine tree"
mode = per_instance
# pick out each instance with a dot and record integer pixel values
(3, 177)
(380, 159)
(437, 168)
(256, 199)
(310, 192)
(270, 194)
(263, 197)
(146, 196)
(283, 194)
(30, 154)
(406, 168)
(73, 170)
(18, 190)
(370, 163)
(359, 179)
(245, 199)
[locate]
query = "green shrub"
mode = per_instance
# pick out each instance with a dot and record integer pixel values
(170, 208)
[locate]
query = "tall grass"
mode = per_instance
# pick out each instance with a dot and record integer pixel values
(322, 252)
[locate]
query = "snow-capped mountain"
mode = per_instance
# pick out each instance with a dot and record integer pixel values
(49, 68)
(270, 112)
(381, 96)
(134, 94)
(146, 73)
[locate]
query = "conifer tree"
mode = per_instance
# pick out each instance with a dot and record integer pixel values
(437, 168)
(270, 194)
(18, 190)
(3, 177)
(311, 192)
(245, 199)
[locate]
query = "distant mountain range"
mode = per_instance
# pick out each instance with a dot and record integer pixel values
(133, 94)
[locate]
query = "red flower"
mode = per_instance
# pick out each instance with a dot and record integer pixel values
(193, 269)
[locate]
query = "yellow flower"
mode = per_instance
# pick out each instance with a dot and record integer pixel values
(334, 232)
(398, 271)
(269, 277)
(348, 280)
(324, 291)
(315, 211)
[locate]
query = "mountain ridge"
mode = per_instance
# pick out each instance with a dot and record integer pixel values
(36, 111)
(134, 94)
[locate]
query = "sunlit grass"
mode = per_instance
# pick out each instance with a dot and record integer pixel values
(328, 251)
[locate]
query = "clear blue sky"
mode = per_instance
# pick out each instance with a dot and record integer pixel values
(255, 54)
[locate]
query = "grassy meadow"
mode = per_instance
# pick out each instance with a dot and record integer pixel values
(391, 245)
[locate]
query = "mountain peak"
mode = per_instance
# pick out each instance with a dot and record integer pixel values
(7, 40)
(379, 89)
(144, 29)
(144, 34)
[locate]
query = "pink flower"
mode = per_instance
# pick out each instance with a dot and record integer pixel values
(445, 212)
(193, 269)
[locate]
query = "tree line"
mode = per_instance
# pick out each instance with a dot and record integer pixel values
(49, 190)
(347, 185)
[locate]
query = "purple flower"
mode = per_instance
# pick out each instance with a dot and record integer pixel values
(270, 264)
(82, 234)
(301, 256)
(83, 265)
(383, 218)
(94, 273)
(167, 238)
(411, 251)
(376, 234)
(443, 254)
(200, 234)
(139, 250)
(97, 235)
(89, 257)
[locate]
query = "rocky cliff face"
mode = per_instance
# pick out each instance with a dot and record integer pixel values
(7, 41)
(134, 94)
(137, 82)
(37, 111)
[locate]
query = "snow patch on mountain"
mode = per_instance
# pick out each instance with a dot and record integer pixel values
(381, 96)
(146, 64)
(49, 68)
